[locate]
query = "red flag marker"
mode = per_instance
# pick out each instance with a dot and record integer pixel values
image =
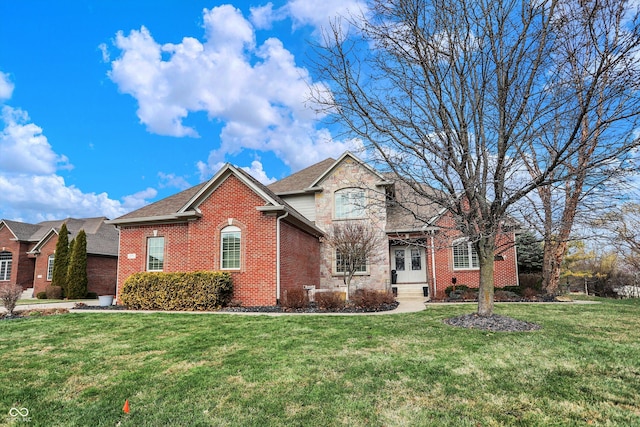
(125, 408)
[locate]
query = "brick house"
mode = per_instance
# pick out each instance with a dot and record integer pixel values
(270, 237)
(27, 252)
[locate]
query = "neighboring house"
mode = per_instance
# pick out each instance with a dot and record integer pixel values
(270, 237)
(27, 252)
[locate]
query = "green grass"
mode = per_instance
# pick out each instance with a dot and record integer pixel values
(582, 368)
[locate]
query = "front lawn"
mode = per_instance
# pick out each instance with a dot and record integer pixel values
(582, 368)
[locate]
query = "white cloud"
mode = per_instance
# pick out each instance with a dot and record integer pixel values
(320, 14)
(257, 91)
(171, 180)
(258, 172)
(6, 86)
(31, 189)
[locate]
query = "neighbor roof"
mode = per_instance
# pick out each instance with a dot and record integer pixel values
(102, 239)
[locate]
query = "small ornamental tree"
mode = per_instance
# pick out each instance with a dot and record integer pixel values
(77, 279)
(356, 244)
(61, 260)
(9, 296)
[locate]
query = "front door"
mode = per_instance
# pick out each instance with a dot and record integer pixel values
(409, 263)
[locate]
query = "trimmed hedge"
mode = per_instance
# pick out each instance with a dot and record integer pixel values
(196, 291)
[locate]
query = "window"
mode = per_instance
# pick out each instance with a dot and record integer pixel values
(399, 259)
(465, 256)
(349, 203)
(5, 266)
(155, 254)
(343, 262)
(230, 237)
(416, 259)
(50, 267)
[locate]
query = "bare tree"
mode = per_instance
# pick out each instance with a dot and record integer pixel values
(9, 296)
(624, 226)
(594, 102)
(356, 244)
(459, 95)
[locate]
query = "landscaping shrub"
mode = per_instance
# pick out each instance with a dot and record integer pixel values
(9, 296)
(529, 293)
(195, 291)
(370, 299)
(295, 298)
(470, 294)
(451, 288)
(532, 280)
(514, 289)
(330, 300)
(53, 292)
(41, 295)
(502, 295)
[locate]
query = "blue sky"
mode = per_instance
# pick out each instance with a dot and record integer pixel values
(109, 105)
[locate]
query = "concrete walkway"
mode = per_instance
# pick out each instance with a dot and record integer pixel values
(404, 306)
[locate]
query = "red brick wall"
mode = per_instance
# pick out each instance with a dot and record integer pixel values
(40, 281)
(505, 271)
(22, 267)
(195, 245)
(101, 273)
(300, 259)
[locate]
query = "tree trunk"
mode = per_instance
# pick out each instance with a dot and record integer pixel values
(486, 250)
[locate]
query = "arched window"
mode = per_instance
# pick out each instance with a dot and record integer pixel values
(230, 237)
(5, 266)
(349, 203)
(50, 267)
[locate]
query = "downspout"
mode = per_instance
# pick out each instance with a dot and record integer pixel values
(286, 214)
(433, 266)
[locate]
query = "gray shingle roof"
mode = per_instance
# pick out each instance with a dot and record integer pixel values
(102, 239)
(166, 206)
(301, 179)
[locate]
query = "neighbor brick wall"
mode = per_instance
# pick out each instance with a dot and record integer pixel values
(22, 266)
(40, 281)
(195, 245)
(300, 259)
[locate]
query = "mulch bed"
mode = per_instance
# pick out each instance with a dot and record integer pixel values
(495, 323)
(20, 314)
(267, 309)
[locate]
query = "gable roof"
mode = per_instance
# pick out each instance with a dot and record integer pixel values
(184, 205)
(102, 239)
(335, 164)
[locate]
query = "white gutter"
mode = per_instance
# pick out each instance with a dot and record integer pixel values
(286, 214)
(433, 266)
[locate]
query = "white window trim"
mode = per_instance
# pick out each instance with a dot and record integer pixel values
(353, 208)
(149, 239)
(50, 261)
(469, 255)
(8, 264)
(335, 272)
(230, 229)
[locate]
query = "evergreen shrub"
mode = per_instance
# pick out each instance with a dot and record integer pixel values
(195, 291)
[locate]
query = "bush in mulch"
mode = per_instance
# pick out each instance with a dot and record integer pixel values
(493, 323)
(20, 314)
(312, 308)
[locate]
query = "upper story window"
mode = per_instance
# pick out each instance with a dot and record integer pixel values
(5, 266)
(155, 253)
(349, 203)
(50, 262)
(230, 250)
(465, 256)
